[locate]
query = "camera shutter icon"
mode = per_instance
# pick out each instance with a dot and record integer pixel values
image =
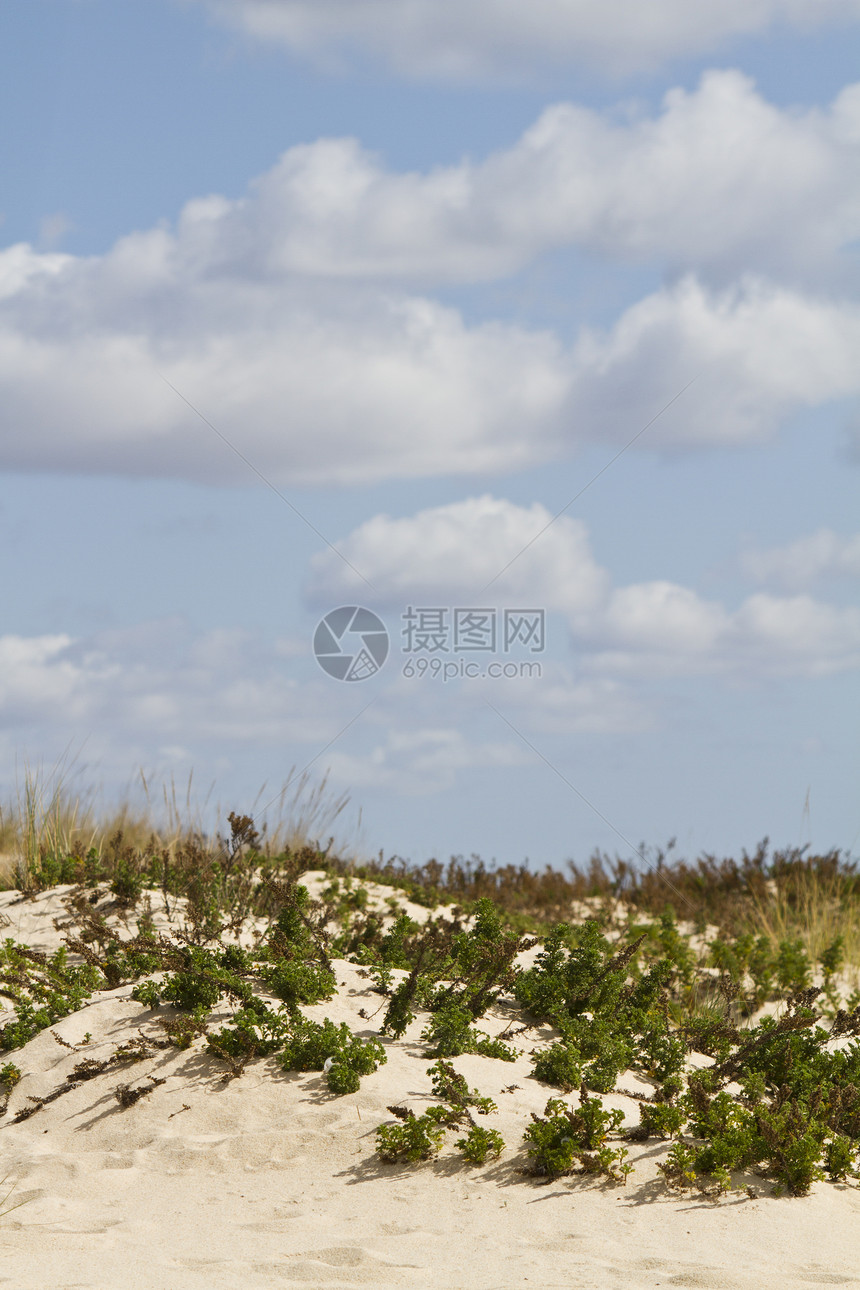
(351, 643)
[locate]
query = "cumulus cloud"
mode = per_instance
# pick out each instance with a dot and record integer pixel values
(334, 387)
(718, 180)
(37, 679)
(661, 629)
(484, 38)
(796, 633)
(449, 553)
(313, 387)
(758, 352)
(807, 560)
(158, 692)
(444, 555)
(154, 683)
(288, 317)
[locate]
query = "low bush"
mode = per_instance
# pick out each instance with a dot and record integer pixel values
(565, 1139)
(481, 1145)
(310, 1046)
(418, 1137)
(449, 1033)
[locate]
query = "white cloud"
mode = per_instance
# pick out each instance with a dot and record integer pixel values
(758, 353)
(481, 38)
(286, 318)
(807, 560)
(718, 180)
(24, 271)
(37, 679)
(156, 692)
(798, 633)
(663, 617)
(664, 630)
(422, 760)
(443, 556)
(311, 387)
(449, 553)
(154, 683)
(350, 386)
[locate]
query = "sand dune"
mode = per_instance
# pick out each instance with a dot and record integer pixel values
(269, 1180)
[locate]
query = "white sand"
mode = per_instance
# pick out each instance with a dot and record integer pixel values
(269, 1180)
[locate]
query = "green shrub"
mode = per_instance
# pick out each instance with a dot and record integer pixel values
(45, 988)
(202, 981)
(707, 1031)
(417, 1138)
(561, 1065)
(793, 969)
(189, 991)
(449, 1033)
(310, 1045)
(452, 1087)
(184, 1029)
(606, 1048)
(787, 1138)
(602, 1074)
(51, 870)
(832, 957)
(839, 1157)
(577, 971)
(658, 1120)
(482, 962)
(127, 883)
(9, 1076)
(565, 1137)
(480, 1145)
(658, 1054)
(675, 947)
(147, 993)
(236, 959)
(392, 952)
(296, 982)
(254, 1031)
(792, 1142)
(582, 984)
(679, 1167)
(343, 1079)
(456, 975)
(640, 1001)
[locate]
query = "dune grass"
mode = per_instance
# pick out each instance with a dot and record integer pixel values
(785, 896)
(50, 819)
(5, 1195)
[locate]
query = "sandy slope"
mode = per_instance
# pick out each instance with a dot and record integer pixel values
(268, 1180)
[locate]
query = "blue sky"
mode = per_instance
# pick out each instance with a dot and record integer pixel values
(428, 271)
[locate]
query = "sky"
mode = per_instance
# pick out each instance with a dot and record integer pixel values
(529, 334)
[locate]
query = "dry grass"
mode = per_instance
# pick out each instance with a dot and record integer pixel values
(4, 1208)
(49, 816)
(817, 900)
(785, 895)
